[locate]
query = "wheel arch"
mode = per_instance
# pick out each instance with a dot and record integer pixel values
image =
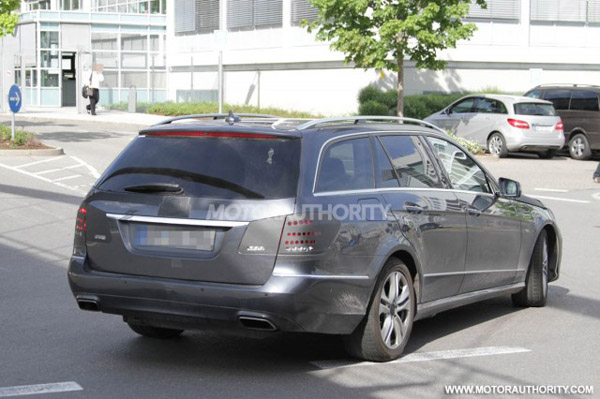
(410, 260)
(576, 131)
(554, 249)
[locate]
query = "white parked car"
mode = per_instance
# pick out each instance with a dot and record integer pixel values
(503, 123)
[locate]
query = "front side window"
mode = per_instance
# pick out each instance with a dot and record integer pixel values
(584, 101)
(346, 165)
(464, 106)
(410, 162)
(560, 98)
(490, 106)
(463, 172)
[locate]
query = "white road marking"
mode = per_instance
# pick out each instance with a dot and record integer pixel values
(37, 162)
(560, 199)
(596, 196)
(551, 190)
(59, 169)
(92, 170)
(427, 356)
(14, 169)
(40, 389)
(66, 178)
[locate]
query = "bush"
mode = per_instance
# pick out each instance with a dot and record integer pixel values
(373, 108)
(472, 146)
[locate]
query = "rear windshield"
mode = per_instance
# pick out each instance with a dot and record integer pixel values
(535, 109)
(209, 167)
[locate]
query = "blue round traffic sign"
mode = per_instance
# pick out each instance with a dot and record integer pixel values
(15, 99)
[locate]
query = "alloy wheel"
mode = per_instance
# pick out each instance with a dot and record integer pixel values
(394, 310)
(578, 147)
(495, 145)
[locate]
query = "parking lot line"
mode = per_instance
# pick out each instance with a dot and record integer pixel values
(427, 356)
(551, 190)
(92, 170)
(38, 162)
(560, 199)
(40, 389)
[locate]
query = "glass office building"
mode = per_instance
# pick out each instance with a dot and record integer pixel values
(57, 41)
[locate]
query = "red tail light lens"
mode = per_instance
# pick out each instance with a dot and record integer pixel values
(81, 224)
(299, 236)
(79, 248)
(560, 126)
(518, 124)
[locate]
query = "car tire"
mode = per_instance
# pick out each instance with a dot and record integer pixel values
(536, 282)
(385, 330)
(496, 145)
(579, 147)
(154, 332)
(548, 154)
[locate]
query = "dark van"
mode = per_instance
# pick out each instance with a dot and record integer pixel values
(579, 109)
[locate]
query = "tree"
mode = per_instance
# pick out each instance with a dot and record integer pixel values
(381, 33)
(8, 18)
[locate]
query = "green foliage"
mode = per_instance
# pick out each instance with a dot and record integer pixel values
(8, 17)
(473, 147)
(372, 107)
(367, 31)
(22, 137)
(176, 109)
(422, 105)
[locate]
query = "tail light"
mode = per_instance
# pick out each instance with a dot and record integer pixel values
(518, 123)
(560, 126)
(80, 229)
(304, 235)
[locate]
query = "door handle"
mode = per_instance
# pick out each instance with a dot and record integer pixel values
(473, 212)
(411, 207)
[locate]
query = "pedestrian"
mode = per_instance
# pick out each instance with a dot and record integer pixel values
(96, 77)
(597, 174)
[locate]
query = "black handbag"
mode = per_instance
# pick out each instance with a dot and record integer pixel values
(86, 90)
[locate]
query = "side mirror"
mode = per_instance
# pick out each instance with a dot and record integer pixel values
(509, 188)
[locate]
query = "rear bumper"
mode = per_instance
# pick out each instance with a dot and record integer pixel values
(298, 304)
(520, 142)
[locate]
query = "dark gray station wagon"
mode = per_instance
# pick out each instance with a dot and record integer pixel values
(353, 226)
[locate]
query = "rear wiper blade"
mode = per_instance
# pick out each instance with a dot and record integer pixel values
(155, 188)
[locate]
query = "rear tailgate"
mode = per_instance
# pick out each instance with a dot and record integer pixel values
(223, 224)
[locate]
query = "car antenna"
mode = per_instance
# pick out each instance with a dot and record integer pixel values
(232, 118)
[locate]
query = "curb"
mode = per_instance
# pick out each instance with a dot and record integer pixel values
(51, 152)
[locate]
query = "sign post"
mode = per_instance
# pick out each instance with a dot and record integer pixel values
(14, 101)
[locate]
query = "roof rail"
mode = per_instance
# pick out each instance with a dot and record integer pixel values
(213, 117)
(357, 119)
(566, 85)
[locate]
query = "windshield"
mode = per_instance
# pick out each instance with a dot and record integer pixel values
(540, 109)
(205, 167)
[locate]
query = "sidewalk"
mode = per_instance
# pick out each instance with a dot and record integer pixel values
(67, 114)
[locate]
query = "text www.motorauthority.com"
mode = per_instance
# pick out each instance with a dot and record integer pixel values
(519, 389)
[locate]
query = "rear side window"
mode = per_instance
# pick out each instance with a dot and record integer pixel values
(346, 165)
(534, 109)
(560, 98)
(584, 101)
(203, 167)
(410, 161)
(490, 106)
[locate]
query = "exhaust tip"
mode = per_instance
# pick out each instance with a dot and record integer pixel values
(89, 305)
(257, 323)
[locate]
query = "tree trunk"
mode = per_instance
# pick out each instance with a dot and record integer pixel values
(400, 106)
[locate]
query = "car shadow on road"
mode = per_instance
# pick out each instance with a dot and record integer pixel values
(40, 194)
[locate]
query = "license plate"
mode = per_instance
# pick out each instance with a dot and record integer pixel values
(541, 128)
(149, 236)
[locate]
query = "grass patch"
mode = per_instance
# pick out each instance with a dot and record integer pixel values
(23, 138)
(177, 109)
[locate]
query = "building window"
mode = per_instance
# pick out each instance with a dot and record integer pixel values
(70, 5)
(509, 10)
(559, 10)
(130, 6)
(185, 11)
(254, 14)
(303, 10)
(207, 15)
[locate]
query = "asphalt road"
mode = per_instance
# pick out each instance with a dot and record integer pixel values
(46, 339)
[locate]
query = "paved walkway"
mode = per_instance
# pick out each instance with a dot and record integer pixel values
(103, 116)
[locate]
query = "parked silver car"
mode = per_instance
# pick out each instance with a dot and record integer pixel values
(503, 123)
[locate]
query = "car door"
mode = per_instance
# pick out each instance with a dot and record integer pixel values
(493, 228)
(584, 112)
(460, 116)
(429, 215)
(489, 113)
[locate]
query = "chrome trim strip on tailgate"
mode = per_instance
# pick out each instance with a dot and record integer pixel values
(180, 221)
